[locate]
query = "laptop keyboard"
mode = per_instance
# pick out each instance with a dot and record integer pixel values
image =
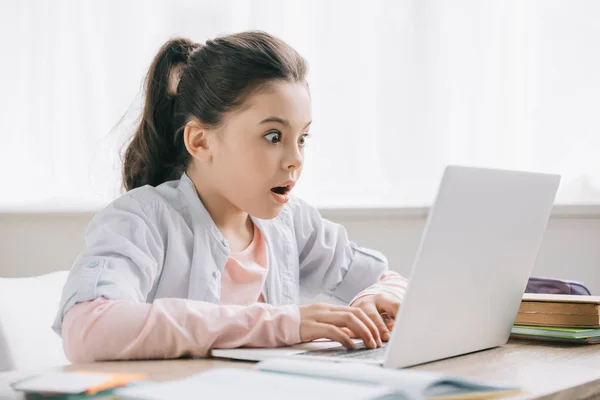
(361, 352)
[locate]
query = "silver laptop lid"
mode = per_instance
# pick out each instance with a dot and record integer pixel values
(477, 252)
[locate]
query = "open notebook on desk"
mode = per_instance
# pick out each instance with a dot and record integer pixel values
(299, 379)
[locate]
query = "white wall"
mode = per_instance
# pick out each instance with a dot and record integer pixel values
(570, 249)
(34, 243)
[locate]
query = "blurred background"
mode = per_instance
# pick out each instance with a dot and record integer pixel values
(400, 89)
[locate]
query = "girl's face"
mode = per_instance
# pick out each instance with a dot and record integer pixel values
(258, 153)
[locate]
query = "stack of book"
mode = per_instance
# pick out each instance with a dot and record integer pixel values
(558, 318)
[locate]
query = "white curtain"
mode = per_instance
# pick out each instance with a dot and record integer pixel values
(399, 88)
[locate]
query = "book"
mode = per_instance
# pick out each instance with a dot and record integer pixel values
(559, 310)
(73, 385)
(556, 334)
(593, 340)
(291, 378)
(570, 333)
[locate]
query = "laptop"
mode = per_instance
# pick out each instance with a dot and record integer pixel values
(477, 252)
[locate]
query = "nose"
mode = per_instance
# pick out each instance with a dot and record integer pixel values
(294, 159)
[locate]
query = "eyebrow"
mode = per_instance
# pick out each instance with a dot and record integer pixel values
(281, 121)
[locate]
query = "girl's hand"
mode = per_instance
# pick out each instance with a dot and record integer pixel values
(381, 309)
(337, 323)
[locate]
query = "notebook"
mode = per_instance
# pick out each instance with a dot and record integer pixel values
(290, 378)
(556, 334)
(73, 385)
(559, 310)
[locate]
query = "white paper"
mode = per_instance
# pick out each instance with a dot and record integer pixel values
(232, 383)
(413, 382)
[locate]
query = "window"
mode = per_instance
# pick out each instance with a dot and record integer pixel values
(400, 89)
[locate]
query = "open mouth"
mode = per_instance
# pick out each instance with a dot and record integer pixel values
(283, 190)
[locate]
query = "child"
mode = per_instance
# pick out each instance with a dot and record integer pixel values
(208, 248)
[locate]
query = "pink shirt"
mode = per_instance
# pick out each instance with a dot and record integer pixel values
(245, 273)
(103, 329)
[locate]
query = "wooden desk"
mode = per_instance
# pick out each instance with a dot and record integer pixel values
(546, 371)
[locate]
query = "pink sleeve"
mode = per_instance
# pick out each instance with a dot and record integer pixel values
(391, 283)
(104, 329)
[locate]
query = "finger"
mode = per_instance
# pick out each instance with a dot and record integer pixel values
(349, 320)
(333, 307)
(363, 314)
(379, 323)
(349, 333)
(334, 333)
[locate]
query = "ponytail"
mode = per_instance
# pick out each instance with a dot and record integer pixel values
(155, 152)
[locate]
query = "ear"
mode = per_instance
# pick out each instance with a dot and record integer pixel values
(197, 141)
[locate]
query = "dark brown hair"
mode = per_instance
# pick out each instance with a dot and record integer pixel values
(213, 78)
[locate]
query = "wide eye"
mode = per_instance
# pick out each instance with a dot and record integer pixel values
(273, 137)
(302, 140)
